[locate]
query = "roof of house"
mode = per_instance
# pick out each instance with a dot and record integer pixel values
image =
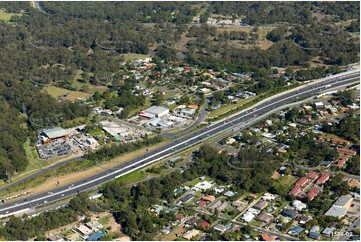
(208, 198)
(342, 161)
(302, 181)
(323, 178)
(315, 228)
(314, 235)
(193, 106)
(202, 203)
(230, 194)
(190, 234)
(312, 175)
(346, 151)
(265, 237)
(295, 190)
(313, 193)
(296, 229)
(220, 227)
(95, 236)
(261, 204)
(289, 212)
(328, 231)
(203, 224)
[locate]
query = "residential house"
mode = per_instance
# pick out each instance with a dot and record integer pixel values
(313, 192)
(266, 237)
(261, 204)
(208, 198)
(323, 179)
(298, 205)
(289, 213)
(221, 228)
(96, 236)
(328, 231)
(295, 230)
(190, 234)
(265, 217)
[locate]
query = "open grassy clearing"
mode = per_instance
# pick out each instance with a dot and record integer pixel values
(262, 42)
(286, 181)
(57, 92)
(7, 16)
(133, 56)
(228, 107)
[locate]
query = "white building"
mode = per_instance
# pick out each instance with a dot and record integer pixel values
(298, 205)
(154, 112)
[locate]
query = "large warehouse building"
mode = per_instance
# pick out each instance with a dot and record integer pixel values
(154, 112)
(53, 133)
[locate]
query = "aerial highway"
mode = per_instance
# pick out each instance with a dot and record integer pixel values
(323, 85)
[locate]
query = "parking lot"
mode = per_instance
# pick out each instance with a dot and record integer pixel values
(55, 148)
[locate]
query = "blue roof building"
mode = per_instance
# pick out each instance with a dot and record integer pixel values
(295, 230)
(314, 235)
(95, 236)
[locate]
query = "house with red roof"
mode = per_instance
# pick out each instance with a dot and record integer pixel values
(313, 175)
(346, 151)
(341, 162)
(336, 141)
(265, 237)
(208, 198)
(313, 192)
(202, 204)
(323, 179)
(295, 190)
(204, 224)
(302, 181)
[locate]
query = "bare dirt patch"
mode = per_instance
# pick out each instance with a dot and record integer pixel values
(275, 175)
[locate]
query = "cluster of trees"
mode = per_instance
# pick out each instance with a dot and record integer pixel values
(12, 136)
(124, 98)
(108, 152)
(347, 128)
(292, 12)
(312, 150)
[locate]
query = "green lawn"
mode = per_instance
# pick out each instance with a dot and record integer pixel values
(132, 177)
(137, 110)
(133, 56)
(255, 223)
(286, 181)
(228, 107)
(55, 92)
(6, 16)
(195, 181)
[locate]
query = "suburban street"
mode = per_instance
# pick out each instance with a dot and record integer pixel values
(339, 81)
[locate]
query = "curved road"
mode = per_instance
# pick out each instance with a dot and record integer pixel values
(258, 109)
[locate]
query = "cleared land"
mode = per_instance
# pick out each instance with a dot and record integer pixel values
(6, 16)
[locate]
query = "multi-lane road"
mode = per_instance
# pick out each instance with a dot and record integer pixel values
(265, 106)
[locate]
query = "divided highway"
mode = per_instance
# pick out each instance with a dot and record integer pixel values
(269, 104)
